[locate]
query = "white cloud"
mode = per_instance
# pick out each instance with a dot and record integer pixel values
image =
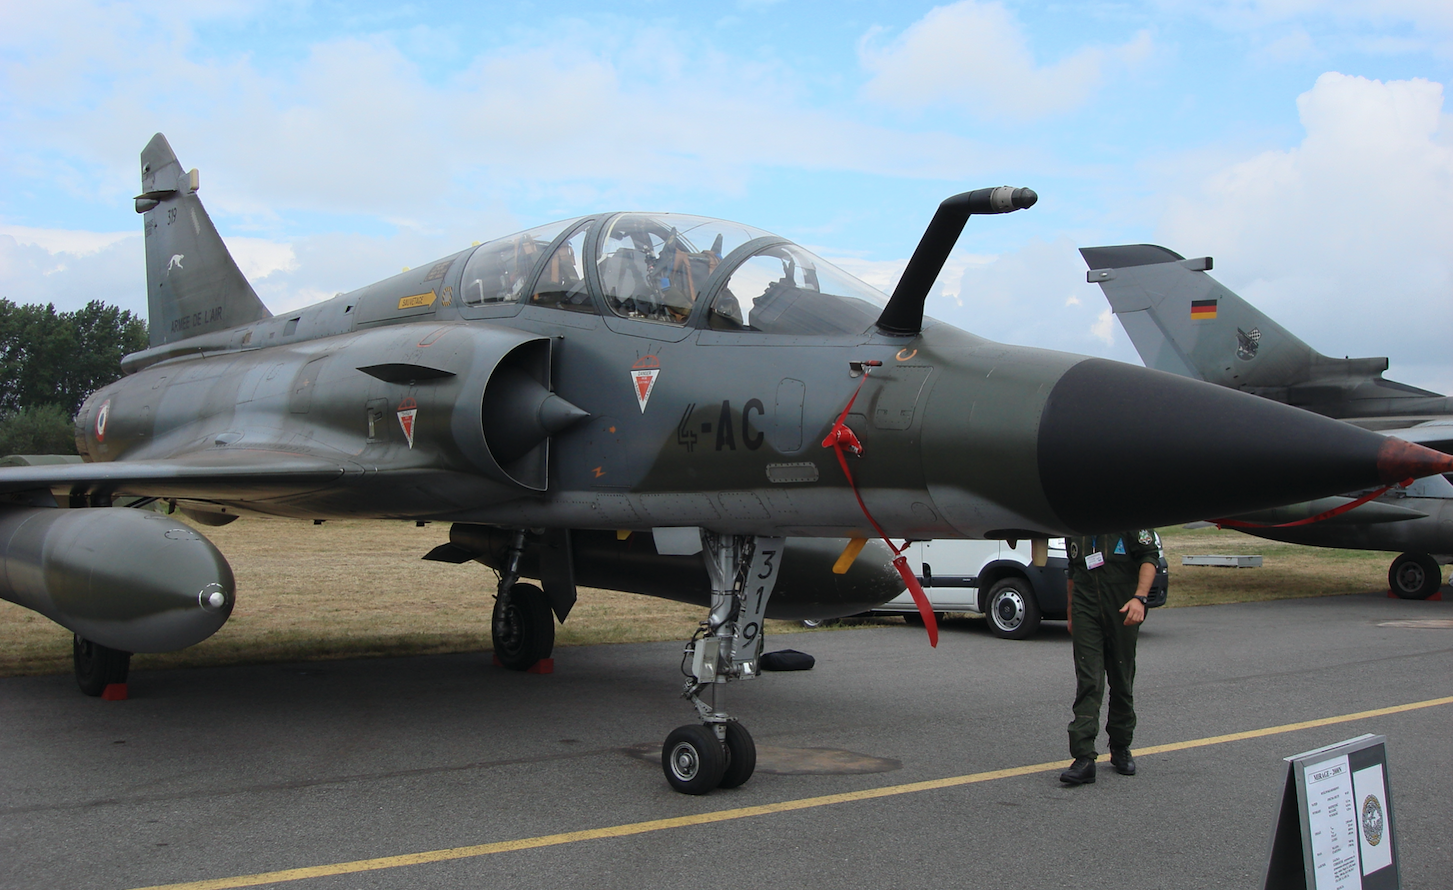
(1104, 327)
(114, 273)
(258, 258)
(1247, 14)
(368, 130)
(1294, 46)
(1035, 295)
(358, 122)
(884, 274)
(975, 55)
(71, 268)
(1344, 238)
(65, 241)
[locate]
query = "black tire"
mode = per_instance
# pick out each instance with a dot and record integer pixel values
(1012, 609)
(98, 666)
(914, 619)
(741, 757)
(1414, 576)
(523, 627)
(693, 759)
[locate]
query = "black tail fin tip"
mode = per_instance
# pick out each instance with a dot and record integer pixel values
(193, 285)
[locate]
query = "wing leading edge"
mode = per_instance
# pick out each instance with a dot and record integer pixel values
(232, 472)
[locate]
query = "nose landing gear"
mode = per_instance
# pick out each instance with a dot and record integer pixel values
(718, 752)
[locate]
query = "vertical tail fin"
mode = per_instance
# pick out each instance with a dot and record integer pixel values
(193, 285)
(1184, 321)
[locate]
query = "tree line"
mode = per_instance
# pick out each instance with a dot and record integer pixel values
(50, 361)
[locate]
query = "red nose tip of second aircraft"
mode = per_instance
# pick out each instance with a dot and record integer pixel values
(1127, 447)
(1399, 460)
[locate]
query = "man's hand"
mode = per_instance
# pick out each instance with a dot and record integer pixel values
(1135, 609)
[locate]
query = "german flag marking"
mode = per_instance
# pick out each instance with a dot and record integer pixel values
(1202, 310)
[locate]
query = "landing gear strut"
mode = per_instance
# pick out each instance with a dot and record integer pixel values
(718, 752)
(523, 629)
(98, 666)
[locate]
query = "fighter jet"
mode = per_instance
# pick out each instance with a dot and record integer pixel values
(1183, 321)
(660, 403)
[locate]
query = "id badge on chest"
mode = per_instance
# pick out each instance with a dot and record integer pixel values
(1094, 560)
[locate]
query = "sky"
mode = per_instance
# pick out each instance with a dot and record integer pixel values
(1307, 146)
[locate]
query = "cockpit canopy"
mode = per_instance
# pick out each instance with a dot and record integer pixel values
(672, 269)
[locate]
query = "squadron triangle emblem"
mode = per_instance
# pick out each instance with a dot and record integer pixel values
(643, 374)
(408, 410)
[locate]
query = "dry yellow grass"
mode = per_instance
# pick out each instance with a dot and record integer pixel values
(1288, 570)
(349, 589)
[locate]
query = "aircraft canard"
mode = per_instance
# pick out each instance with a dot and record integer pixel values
(670, 404)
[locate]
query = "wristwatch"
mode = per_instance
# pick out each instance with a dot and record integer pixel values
(1141, 598)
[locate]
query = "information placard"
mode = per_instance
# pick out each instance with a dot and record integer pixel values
(1335, 827)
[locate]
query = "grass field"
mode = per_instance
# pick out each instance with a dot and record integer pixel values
(349, 589)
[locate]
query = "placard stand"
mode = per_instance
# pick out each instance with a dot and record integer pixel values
(1335, 827)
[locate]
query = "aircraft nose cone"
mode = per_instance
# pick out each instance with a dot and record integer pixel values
(1399, 460)
(1127, 447)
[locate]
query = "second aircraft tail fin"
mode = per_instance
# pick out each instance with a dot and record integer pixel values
(193, 284)
(1184, 321)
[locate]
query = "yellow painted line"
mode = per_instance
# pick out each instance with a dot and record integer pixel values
(786, 806)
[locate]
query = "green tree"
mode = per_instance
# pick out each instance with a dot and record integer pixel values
(59, 358)
(44, 429)
(103, 336)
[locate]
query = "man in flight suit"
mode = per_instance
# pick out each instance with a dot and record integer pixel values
(1109, 579)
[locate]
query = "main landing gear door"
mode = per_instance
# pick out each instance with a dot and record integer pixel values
(557, 571)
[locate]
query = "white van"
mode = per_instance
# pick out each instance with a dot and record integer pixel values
(999, 582)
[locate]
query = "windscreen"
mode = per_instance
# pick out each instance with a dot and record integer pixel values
(787, 290)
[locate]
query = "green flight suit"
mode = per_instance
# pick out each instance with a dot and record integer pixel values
(1104, 646)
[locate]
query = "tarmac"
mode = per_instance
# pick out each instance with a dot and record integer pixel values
(890, 764)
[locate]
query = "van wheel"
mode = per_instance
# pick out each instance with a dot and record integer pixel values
(1012, 610)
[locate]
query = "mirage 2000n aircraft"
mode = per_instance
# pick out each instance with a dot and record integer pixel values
(1186, 322)
(666, 404)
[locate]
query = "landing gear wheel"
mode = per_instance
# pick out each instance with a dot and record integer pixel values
(524, 627)
(1012, 610)
(98, 666)
(1414, 576)
(694, 759)
(741, 756)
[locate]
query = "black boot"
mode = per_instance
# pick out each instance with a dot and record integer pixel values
(1081, 772)
(1122, 761)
